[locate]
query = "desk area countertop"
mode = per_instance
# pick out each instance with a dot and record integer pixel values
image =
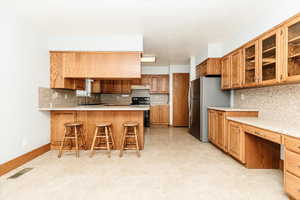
(230, 109)
(98, 108)
(272, 125)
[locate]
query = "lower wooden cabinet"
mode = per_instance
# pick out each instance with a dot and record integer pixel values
(218, 126)
(236, 141)
(292, 167)
(159, 114)
(212, 126)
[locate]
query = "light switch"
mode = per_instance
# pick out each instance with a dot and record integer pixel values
(242, 97)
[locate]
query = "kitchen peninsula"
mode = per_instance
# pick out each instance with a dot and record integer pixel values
(91, 115)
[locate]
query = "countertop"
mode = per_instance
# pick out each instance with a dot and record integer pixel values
(97, 107)
(289, 129)
(229, 109)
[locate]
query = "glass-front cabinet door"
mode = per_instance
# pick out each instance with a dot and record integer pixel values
(250, 65)
(269, 60)
(292, 50)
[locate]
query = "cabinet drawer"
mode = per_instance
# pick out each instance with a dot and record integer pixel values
(292, 185)
(271, 136)
(292, 144)
(292, 162)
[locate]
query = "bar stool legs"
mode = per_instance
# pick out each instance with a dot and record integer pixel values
(73, 131)
(105, 135)
(127, 135)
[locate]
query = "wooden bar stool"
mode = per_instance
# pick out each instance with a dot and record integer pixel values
(105, 138)
(73, 131)
(130, 135)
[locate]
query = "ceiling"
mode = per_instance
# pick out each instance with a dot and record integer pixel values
(172, 30)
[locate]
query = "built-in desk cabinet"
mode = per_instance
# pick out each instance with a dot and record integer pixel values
(218, 127)
(270, 59)
(292, 167)
(236, 141)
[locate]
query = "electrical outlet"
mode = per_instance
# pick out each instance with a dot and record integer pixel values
(54, 95)
(242, 97)
(66, 96)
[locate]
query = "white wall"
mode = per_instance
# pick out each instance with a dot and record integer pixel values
(24, 67)
(99, 43)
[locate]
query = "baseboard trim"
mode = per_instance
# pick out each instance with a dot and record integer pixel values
(17, 162)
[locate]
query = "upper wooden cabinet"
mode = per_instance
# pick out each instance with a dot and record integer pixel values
(291, 69)
(112, 65)
(226, 74)
(236, 68)
(159, 84)
(269, 57)
(211, 66)
(58, 62)
(250, 70)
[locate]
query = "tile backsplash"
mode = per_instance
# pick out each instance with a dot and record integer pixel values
(59, 98)
(275, 102)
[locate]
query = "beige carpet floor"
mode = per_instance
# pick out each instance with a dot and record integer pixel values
(174, 165)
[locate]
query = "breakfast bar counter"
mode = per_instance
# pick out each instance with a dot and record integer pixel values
(92, 115)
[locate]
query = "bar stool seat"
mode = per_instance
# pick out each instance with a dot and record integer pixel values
(73, 124)
(104, 136)
(130, 137)
(130, 124)
(103, 124)
(73, 131)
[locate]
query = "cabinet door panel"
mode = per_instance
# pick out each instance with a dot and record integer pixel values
(75, 64)
(292, 51)
(236, 69)
(154, 84)
(126, 86)
(164, 84)
(269, 60)
(221, 130)
(164, 114)
(250, 72)
(226, 73)
(236, 141)
(154, 114)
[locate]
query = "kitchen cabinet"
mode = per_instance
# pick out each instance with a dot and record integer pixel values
(159, 114)
(106, 65)
(226, 74)
(291, 49)
(272, 58)
(126, 86)
(96, 86)
(269, 58)
(218, 126)
(236, 68)
(111, 86)
(58, 119)
(58, 61)
(221, 133)
(236, 141)
(250, 70)
(159, 84)
(209, 67)
(291, 167)
(212, 126)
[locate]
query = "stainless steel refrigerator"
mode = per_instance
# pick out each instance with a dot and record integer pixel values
(205, 92)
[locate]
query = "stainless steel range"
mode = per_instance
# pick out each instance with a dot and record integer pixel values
(143, 101)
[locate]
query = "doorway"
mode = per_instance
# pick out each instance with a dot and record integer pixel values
(180, 99)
